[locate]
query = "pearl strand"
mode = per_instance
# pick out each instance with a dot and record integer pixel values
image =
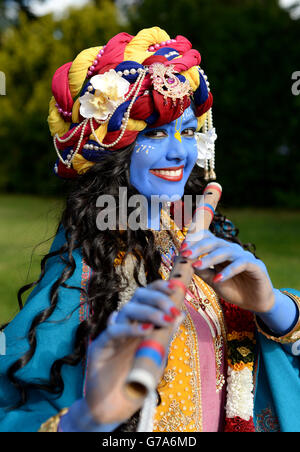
(206, 165)
(140, 70)
(64, 140)
(63, 113)
(206, 79)
(95, 62)
(79, 143)
(137, 85)
(71, 156)
(131, 71)
(155, 47)
(212, 160)
(124, 120)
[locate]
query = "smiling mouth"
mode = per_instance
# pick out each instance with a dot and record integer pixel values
(172, 174)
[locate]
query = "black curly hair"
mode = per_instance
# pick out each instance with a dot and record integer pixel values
(99, 250)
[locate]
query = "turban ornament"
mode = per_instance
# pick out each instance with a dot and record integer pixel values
(107, 95)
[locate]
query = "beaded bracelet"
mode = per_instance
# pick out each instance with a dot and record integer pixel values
(291, 336)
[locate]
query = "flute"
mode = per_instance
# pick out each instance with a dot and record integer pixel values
(146, 369)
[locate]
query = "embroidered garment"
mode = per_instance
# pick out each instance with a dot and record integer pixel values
(192, 389)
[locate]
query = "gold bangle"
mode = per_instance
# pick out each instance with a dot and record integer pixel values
(291, 336)
(51, 425)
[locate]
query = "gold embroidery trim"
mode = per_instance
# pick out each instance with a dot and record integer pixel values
(51, 425)
(210, 304)
(180, 388)
(291, 336)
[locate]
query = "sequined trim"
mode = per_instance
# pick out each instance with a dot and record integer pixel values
(51, 425)
(180, 388)
(83, 310)
(163, 241)
(290, 337)
(206, 301)
(200, 296)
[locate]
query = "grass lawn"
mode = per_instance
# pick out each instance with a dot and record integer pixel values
(26, 221)
(276, 235)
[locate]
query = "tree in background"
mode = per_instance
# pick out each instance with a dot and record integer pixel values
(19, 5)
(250, 51)
(30, 53)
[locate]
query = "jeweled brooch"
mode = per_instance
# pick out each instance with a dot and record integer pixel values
(166, 82)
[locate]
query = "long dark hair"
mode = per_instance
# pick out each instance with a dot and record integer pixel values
(99, 250)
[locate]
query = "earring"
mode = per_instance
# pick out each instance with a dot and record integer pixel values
(206, 148)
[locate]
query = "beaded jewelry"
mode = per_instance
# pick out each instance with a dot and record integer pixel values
(210, 138)
(155, 47)
(92, 68)
(206, 80)
(136, 88)
(166, 83)
(100, 101)
(72, 154)
(66, 115)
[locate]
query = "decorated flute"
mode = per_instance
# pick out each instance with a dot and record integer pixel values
(150, 354)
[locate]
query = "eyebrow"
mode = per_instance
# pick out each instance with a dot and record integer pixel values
(189, 121)
(184, 123)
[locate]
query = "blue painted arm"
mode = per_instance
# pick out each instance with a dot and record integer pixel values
(79, 419)
(283, 316)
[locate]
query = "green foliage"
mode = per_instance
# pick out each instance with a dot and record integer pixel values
(30, 53)
(250, 51)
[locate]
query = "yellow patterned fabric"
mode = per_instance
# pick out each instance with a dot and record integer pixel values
(180, 387)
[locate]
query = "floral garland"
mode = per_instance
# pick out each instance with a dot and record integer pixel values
(240, 359)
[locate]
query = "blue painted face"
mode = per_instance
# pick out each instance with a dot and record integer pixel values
(164, 157)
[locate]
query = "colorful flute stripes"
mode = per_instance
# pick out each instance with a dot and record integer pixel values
(241, 352)
(208, 207)
(152, 350)
(213, 186)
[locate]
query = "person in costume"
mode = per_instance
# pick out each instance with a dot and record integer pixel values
(136, 113)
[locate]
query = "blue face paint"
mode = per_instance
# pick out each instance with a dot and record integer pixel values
(164, 157)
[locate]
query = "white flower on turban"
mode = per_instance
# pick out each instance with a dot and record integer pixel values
(110, 90)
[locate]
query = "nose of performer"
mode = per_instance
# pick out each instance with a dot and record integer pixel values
(176, 152)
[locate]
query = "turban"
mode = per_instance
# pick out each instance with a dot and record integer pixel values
(108, 94)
